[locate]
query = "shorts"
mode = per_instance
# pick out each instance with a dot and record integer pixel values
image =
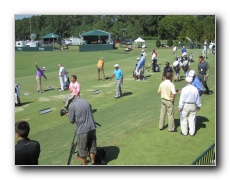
(86, 143)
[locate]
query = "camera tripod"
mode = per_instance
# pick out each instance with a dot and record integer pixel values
(73, 146)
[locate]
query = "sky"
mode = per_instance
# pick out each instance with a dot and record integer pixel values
(21, 16)
(162, 7)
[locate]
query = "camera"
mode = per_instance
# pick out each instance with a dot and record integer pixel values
(63, 112)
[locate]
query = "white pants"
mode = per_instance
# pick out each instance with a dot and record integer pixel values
(188, 119)
(62, 83)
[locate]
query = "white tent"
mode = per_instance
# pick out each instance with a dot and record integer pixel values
(139, 40)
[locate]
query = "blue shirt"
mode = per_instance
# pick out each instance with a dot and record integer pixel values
(118, 73)
(142, 59)
(139, 64)
(196, 82)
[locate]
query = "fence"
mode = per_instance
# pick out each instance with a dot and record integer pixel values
(207, 157)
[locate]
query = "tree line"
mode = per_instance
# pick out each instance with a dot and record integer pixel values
(198, 28)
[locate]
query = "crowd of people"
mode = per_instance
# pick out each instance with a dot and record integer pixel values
(27, 151)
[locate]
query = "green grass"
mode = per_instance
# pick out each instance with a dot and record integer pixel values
(129, 125)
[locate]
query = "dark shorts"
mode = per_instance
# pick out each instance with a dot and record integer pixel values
(86, 143)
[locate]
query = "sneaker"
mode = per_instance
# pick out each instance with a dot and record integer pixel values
(117, 97)
(61, 90)
(42, 91)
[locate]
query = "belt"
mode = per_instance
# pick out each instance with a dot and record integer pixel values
(190, 103)
(166, 99)
(202, 73)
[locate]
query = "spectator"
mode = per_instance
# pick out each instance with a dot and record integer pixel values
(189, 103)
(167, 69)
(176, 70)
(118, 73)
(80, 112)
(184, 51)
(27, 151)
(154, 60)
(39, 74)
(61, 77)
(174, 51)
(185, 65)
(203, 69)
(168, 92)
(100, 68)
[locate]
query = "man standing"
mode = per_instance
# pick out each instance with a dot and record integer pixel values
(27, 151)
(100, 68)
(189, 103)
(174, 51)
(176, 70)
(39, 74)
(118, 73)
(168, 92)
(203, 69)
(167, 69)
(61, 74)
(80, 112)
(154, 60)
(185, 65)
(74, 86)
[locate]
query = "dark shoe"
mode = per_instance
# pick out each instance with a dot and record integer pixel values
(161, 129)
(173, 131)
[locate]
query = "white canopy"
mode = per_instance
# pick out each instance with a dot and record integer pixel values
(138, 40)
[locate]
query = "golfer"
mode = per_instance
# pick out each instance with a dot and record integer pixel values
(118, 73)
(39, 74)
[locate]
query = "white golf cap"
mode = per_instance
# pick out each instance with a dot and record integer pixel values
(44, 68)
(188, 79)
(116, 65)
(191, 73)
(143, 50)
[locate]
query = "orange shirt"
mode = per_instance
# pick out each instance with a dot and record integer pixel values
(100, 63)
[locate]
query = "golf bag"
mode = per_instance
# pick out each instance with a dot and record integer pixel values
(100, 157)
(157, 68)
(17, 95)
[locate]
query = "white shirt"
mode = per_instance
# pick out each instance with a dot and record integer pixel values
(174, 49)
(175, 63)
(61, 71)
(154, 56)
(189, 94)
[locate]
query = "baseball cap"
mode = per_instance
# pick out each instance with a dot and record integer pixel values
(116, 65)
(191, 73)
(188, 79)
(44, 68)
(67, 100)
(142, 49)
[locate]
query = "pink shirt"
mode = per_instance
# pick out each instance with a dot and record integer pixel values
(74, 88)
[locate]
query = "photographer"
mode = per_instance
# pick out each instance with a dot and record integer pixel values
(79, 112)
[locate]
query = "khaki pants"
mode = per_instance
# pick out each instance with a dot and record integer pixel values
(100, 70)
(39, 83)
(167, 107)
(188, 120)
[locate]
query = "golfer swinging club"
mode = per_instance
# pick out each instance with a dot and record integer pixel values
(80, 112)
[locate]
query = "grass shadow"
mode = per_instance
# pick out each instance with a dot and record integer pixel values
(127, 93)
(25, 103)
(200, 120)
(111, 152)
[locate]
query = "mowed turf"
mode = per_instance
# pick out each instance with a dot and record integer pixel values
(129, 126)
